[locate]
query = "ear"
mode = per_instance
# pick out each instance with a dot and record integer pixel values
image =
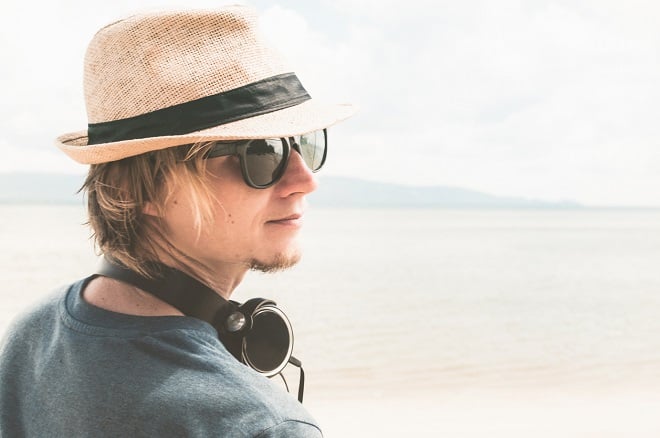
(150, 209)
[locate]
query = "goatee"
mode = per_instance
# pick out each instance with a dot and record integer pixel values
(279, 263)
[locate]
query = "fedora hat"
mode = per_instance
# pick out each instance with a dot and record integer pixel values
(164, 79)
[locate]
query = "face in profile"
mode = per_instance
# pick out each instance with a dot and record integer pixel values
(251, 228)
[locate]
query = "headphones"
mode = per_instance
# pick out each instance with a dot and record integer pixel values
(257, 333)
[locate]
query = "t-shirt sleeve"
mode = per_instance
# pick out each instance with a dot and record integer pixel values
(291, 429)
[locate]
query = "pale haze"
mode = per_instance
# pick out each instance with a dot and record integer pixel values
(552, 100)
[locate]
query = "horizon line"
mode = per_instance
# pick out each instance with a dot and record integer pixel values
(564, 204)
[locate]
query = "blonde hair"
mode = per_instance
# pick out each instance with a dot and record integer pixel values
(118, 191)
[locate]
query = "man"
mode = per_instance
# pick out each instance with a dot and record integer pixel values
(202, 145)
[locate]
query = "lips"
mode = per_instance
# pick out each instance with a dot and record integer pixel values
(292, 219)
(289, 218)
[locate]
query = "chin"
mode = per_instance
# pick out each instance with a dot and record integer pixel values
(278, 262)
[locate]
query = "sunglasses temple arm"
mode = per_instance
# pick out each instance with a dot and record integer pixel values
(223, 149)
(301, 385)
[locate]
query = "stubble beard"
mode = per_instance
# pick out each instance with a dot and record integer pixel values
(278, 263)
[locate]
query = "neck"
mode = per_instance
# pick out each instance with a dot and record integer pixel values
(128, 297)
(187, 294)
(117, 296)
(222, 278)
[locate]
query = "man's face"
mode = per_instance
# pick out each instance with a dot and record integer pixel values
(253, 228)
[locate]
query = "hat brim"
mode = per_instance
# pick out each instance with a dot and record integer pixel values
(299, 119)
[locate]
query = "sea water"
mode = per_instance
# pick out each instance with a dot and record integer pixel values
(421, 304)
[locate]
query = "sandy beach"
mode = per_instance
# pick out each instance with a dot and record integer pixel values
(493, 413)
(514, 324)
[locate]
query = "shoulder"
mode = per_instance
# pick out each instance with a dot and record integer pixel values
(31, 321)
(176, 378)
(291, 428)
(20, 345)
(229, 400)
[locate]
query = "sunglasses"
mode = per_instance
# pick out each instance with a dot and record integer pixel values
(264, 161)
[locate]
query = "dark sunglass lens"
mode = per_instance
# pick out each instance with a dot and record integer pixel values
(313, 149)
(264, 160)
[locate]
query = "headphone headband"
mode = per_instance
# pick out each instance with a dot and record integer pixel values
(180, 290)
(256, 333)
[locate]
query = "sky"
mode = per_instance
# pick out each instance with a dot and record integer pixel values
(551, 100)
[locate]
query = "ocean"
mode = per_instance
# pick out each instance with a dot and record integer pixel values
(433, 321)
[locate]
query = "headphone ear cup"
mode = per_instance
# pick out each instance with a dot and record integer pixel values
(256, 333)
(268, 344)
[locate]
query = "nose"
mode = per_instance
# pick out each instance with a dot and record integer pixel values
(297, 178)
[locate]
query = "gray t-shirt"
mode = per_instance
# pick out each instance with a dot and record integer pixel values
(70, 369)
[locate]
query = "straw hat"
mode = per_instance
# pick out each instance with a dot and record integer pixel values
(165, 79)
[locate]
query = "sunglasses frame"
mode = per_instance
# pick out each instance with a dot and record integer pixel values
(239, 148)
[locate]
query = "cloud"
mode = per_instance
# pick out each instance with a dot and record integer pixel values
(550, 99)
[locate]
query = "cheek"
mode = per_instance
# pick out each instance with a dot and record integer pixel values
(179, 222)
(238, 215)
(238, 212)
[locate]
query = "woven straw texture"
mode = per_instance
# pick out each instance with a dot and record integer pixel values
(153, 61)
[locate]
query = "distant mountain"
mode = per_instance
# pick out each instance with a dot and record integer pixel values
(332, 192)
(349, 192)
